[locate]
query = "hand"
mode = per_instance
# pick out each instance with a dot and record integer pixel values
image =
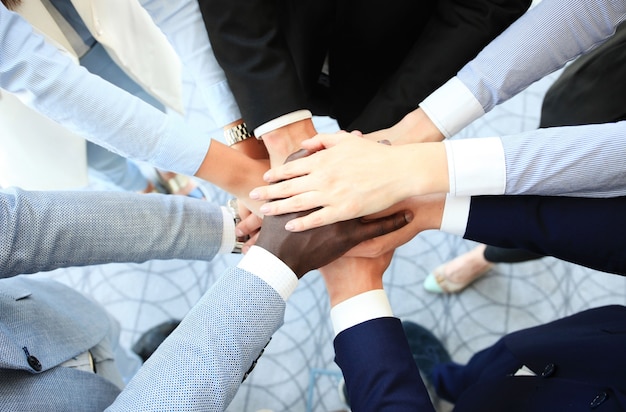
(250, 227)
(312, 249)
(350, 276)
(415, 127)
(427, 212)
(352, 177)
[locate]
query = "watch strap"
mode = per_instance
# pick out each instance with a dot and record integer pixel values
(237, 134)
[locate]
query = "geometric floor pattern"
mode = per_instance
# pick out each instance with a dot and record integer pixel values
(297, 372)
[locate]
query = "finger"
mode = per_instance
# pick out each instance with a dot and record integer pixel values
(384, 225)
(323, 141)
(289, 170)
(249, 243)
(283, 189)
(322, 217)
(296, 203)
(248, 225)
(357, 133)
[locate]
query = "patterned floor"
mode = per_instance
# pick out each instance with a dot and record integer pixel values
(297, 372)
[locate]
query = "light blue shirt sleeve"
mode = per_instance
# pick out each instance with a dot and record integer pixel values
(182, 24)
(538, 43)
(51, 83)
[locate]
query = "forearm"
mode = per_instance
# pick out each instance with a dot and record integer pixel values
(581, 230)
(48, 230)
(52, 84)
(182, 24)
(572, 161)
(253, 53)
(540, 42)
(457, 30)
(203, 362)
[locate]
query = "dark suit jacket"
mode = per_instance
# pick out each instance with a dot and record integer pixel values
(378, 368)
(579, 359)
(586, 231)
(582, 356)
(383, 61)
(590, 90)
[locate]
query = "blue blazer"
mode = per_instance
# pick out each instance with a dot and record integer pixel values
(580, 359)
(378, 368)
(586, 231)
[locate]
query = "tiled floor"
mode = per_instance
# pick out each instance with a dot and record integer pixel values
(297, 372)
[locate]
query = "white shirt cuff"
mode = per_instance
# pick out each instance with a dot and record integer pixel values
(228, 232)
(281, 121)
(452, 107)
(455, 215)
(476, 166)
(271, 270)
(360, 308)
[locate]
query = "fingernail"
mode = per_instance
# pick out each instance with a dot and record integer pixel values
(408, 216)
(264, 209)
(266, 176)
(254, 195)
(290, 226)
(239, 233)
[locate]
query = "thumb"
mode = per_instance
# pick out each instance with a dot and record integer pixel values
(387, 224)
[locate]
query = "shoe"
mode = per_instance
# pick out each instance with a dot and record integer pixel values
(470, 266)
(426, 349)
(151, 339)
(176, 184)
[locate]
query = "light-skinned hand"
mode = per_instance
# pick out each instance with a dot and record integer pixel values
(349, 177)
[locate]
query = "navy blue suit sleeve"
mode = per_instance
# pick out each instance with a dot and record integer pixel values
(378, 368)
(586, 231)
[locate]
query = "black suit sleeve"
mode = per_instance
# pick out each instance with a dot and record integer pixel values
(588, 231)
(456, 31)
(249, 45)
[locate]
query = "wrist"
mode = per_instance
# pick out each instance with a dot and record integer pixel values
(286, 140)
(417, 127)
(428, 164)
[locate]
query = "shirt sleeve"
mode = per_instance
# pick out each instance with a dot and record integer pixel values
(51, 83)
(282, 121)
(360, 308)
(270, 269)
(455, 215)
(476, 166)
(538, 43)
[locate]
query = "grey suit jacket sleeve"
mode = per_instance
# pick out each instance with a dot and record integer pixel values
(200, 366)
(585, 161)
(43, 231)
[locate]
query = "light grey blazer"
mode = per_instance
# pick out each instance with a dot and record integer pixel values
(199, 367)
